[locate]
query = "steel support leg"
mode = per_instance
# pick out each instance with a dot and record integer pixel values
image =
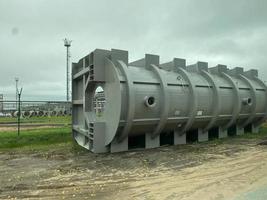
(255, 129)
(98, 142)
(119, 146)
(222, 133)
(203, 136)
(179, 138)
(152, 142)
(239, 130)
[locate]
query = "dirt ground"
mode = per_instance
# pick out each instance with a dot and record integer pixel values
(29, 127)
(200, 171)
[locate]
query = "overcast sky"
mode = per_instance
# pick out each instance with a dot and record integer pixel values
(230, 32)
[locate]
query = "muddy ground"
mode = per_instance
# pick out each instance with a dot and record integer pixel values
(227, 170)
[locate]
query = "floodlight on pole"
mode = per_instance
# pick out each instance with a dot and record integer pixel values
(67, 44)
(19, 109)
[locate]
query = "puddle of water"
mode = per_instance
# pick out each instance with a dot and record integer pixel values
(258, 194)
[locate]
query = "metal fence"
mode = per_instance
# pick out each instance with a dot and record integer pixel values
(35, 108)
(15, 115)
(1, 102)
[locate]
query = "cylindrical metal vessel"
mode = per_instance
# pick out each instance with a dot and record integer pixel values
(26, 113)
(33, 113)
(53, 113)
(146, 98)
(40, 113)
(15, 114)
(60, 113)
(45, 113)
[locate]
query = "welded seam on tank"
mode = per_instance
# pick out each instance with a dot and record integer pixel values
(254, 100)
(164, 106)
(237, 107)
(145, 83)
(203, 86)
(130, 100)
(193, 111)
(216, 104)
(179, 85)
(225, 87)
(243, 88)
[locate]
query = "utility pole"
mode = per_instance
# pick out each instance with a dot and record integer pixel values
(17, 80)
(19, 111)
(67, 44)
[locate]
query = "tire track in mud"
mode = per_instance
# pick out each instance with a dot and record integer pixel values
(209, 181)
(219, 172)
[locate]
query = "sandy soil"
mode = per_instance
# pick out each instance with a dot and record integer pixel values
(200, 171)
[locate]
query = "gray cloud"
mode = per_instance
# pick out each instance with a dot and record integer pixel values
(31, 46)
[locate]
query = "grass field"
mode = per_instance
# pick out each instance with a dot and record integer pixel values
(36, 138)
(48, 138)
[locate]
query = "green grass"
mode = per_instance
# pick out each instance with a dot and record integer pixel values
(52, 138)
(54, 119)
(35, 138)
(262, 134)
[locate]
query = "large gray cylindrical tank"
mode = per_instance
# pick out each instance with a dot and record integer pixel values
(145, 100)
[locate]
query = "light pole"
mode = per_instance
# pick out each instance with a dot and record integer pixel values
(17, 80)
(19, 112)
(67, 44)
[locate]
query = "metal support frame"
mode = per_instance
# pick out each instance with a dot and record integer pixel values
(164, 102)
(193, 100)
(254, 101)
(222, 132)
(203, 135)
(152, 141)
(216, 104)
(130, 100)
(237, 106)
(239, 130)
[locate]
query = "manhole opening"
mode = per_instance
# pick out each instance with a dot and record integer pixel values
(99, 101)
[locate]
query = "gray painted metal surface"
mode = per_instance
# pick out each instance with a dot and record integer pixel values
(146, 98)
